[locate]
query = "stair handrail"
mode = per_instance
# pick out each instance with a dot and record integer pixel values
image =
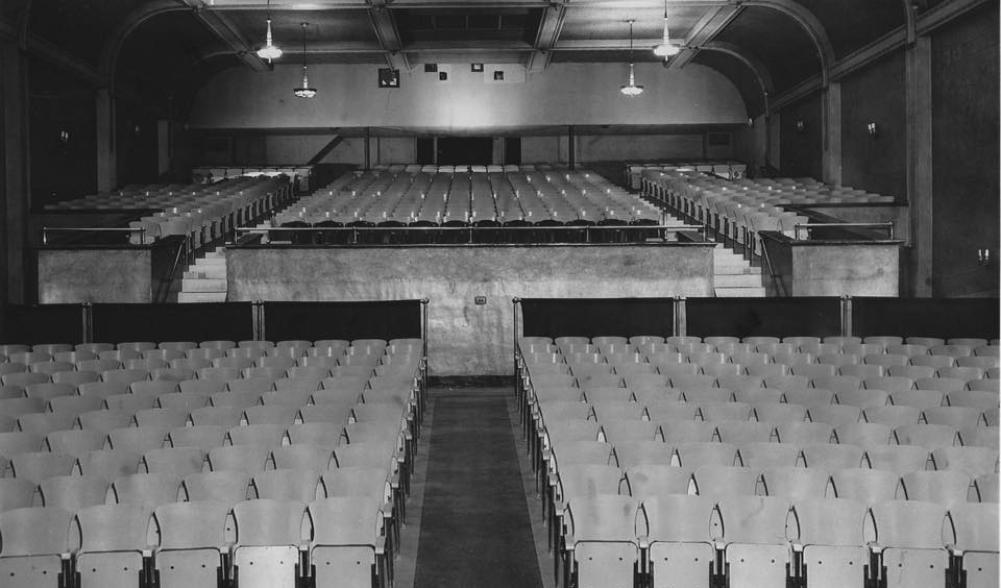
(161, 295)
(779, 285)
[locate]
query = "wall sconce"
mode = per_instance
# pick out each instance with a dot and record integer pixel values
(800, 126)
(64, 137)
(872, 129)
(983, 257)
(750, 122)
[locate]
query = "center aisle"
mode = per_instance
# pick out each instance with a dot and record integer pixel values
(475, 528)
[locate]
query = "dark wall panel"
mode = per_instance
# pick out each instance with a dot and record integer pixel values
(875, 94)
(114, 323)
(314, 321)
(801, 151)
(925, 317)
(763, 317)
(45, 323)
(597, 317)
(965, 149)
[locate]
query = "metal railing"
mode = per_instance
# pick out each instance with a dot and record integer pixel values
(47, 230)
(802, 231)
(585, 231)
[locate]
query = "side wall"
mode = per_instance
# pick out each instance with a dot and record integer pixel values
(466, 338)
(876, 94)
(965, 149)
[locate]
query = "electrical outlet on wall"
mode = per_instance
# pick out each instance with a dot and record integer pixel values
(480, 300)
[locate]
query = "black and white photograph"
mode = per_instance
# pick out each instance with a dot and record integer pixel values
(500, 293)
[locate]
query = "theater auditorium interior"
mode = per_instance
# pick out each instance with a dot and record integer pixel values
(499, 293)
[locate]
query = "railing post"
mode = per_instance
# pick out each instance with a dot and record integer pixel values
(847, 318)
(680, 316)
(87, 322)
(257, 318)
(516, 306)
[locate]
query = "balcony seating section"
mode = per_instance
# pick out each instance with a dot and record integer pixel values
(280, 459)
(843, 456)
(200, 212)
(466, 196)
(739, 210)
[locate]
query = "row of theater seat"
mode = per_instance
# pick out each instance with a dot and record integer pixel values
(194, 483)
(728, 170)
(462, 199)
(428, 168)
(737, 212)
(197, 212)
(755, 541)
(605, 453)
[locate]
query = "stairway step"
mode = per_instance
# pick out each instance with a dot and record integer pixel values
(740, 292)
(736, 270)
(210, 272)
(204, 285)
(184, 297)
(211, 261)
(737, 281)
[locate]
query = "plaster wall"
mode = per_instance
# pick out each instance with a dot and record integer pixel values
(466, 338)
(349, 97)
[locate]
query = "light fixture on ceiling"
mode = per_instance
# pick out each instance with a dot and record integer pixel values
(304, 91)
(631, 89)
(269, 51)
(666, 48)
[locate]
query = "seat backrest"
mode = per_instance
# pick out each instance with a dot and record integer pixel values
(267, 521)
(192, 525)
(150, 490)
(113, 527)
(829, 522)
(72, 493)
(285, 484)
(35, 531)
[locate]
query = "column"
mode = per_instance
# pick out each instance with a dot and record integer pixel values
(919, 165)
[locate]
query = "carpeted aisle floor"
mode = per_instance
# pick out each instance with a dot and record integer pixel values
(475, 530)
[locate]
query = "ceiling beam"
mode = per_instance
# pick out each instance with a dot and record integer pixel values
(222, 28)
(548, 35)
(757, 67)
(384, 26)
(811, 24)
(704, 31)
(605, 44)
(332, 5)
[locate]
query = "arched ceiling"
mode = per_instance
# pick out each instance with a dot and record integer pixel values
(173, 44)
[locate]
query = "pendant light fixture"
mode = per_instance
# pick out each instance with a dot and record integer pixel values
(631, 89)
(304, 91)
(666, 48)
(269, 51)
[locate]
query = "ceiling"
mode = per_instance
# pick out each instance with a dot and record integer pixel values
(169, 43)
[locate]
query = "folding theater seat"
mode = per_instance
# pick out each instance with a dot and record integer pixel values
(976, 544)
(284, 484)
(828, 542)
(679, 546)
(348, 547)
(756, 552)
(909, 542)
(36, 543)
(600, 546)
(192, 542)
(113, 544)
